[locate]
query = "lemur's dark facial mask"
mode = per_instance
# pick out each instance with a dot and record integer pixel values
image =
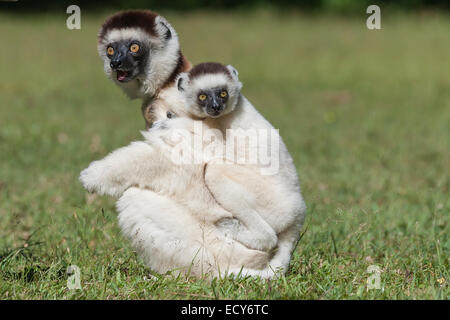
(128, 58)
(213, 101)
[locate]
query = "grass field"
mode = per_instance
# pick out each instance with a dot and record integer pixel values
(365, 114)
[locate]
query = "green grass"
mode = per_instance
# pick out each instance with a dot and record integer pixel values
(365, 114)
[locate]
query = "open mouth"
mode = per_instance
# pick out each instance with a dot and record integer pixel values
(213, 113)
(123, 75)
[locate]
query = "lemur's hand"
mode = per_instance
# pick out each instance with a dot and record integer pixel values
(96, 179)
(89, 178)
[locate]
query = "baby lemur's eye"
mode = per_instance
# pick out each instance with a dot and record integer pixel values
(110, 51)
(134, 48)
(169, 115)
(224, 94)
(202, 97)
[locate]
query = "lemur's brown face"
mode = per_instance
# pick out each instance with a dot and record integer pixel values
(210, 89)
(128, 58)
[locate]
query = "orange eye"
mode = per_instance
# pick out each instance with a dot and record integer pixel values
(223, 94)
(202, 97)
(134, 48)
(110, 51)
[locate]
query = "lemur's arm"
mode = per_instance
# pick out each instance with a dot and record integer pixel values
(133, 165)
(231, 186)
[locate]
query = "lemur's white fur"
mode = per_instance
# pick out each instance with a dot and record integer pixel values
(241, 190)
(275, 198)
(163, 58)
(175, 223)
(171, 234)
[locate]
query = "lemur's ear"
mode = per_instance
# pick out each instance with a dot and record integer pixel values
(182, 80)
(163, 28)
(234, 73)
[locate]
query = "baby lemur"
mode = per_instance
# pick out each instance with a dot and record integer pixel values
(211, 92)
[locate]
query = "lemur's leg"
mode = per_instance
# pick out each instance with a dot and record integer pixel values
(240, 200)
(165, 234)
(125, 167)
(169, 237)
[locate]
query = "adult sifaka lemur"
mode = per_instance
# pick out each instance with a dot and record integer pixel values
(142, 55)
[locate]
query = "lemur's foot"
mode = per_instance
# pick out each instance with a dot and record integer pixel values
(263, 240)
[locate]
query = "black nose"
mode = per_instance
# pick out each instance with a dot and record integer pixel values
(115, 64)
(216, 107)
